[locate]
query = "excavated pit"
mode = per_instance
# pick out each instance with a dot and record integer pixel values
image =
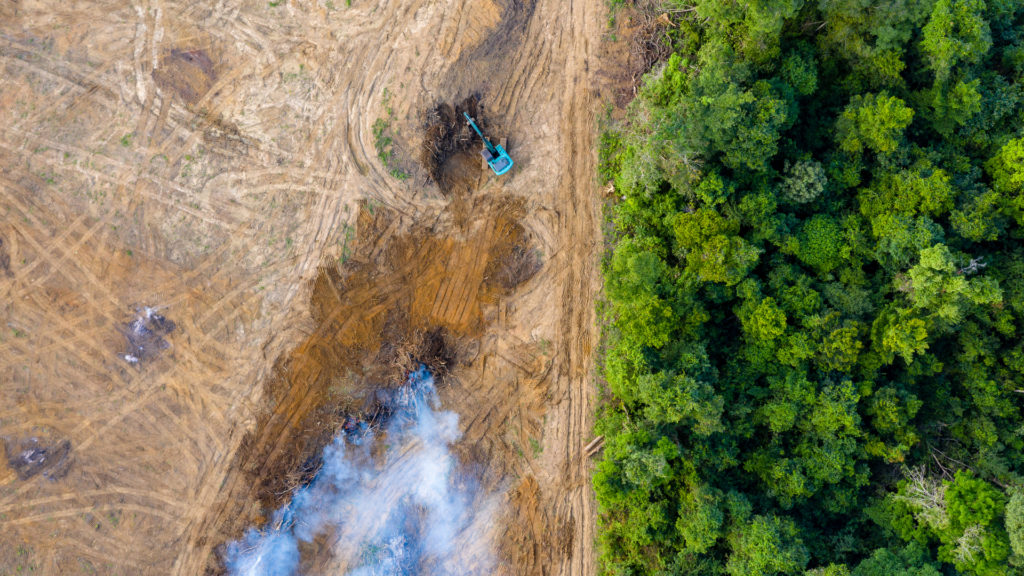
(451, 148)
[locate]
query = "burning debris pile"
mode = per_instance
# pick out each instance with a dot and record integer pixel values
(407, 511)
(35, 455)
(146, 335)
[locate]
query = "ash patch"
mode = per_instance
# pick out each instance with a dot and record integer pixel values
(31, 456)
(145, 336)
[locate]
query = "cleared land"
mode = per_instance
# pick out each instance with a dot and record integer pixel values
(222, 162)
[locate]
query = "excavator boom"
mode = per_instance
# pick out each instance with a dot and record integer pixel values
(496, 156)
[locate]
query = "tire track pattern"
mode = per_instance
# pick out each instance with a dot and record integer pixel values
(116, 192)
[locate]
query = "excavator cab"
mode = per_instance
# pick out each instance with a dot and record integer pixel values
(495, 155)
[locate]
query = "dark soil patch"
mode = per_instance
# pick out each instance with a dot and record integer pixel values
(188, 73)
(514, 266)
(485, 67)
(5, 260)
(513, 260)
(460, 174)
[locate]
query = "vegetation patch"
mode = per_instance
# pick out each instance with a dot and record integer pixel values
(384, 143)
(815, 294)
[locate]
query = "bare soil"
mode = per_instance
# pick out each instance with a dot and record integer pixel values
(217, 162)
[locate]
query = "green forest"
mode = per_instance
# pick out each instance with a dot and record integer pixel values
(813, 351)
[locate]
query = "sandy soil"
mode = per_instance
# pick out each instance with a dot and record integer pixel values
(217, 161)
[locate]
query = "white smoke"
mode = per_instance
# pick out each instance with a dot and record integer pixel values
(407, 512)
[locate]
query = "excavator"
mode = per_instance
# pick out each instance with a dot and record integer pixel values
(495, 156)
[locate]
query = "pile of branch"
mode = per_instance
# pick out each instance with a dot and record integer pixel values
(649, 44)
(447, 133)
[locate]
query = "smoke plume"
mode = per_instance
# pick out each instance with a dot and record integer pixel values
(408, 512)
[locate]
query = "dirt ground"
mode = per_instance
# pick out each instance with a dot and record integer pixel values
(217, 238)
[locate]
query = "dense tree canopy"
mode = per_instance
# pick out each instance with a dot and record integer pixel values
(814, 348)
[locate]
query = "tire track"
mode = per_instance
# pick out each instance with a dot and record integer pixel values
(317, 142)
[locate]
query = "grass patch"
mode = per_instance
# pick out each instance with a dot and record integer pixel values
(384, 143)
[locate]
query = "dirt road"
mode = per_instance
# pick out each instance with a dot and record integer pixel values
(208, 160)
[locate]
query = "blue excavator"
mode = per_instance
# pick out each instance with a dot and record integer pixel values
(495, 156)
